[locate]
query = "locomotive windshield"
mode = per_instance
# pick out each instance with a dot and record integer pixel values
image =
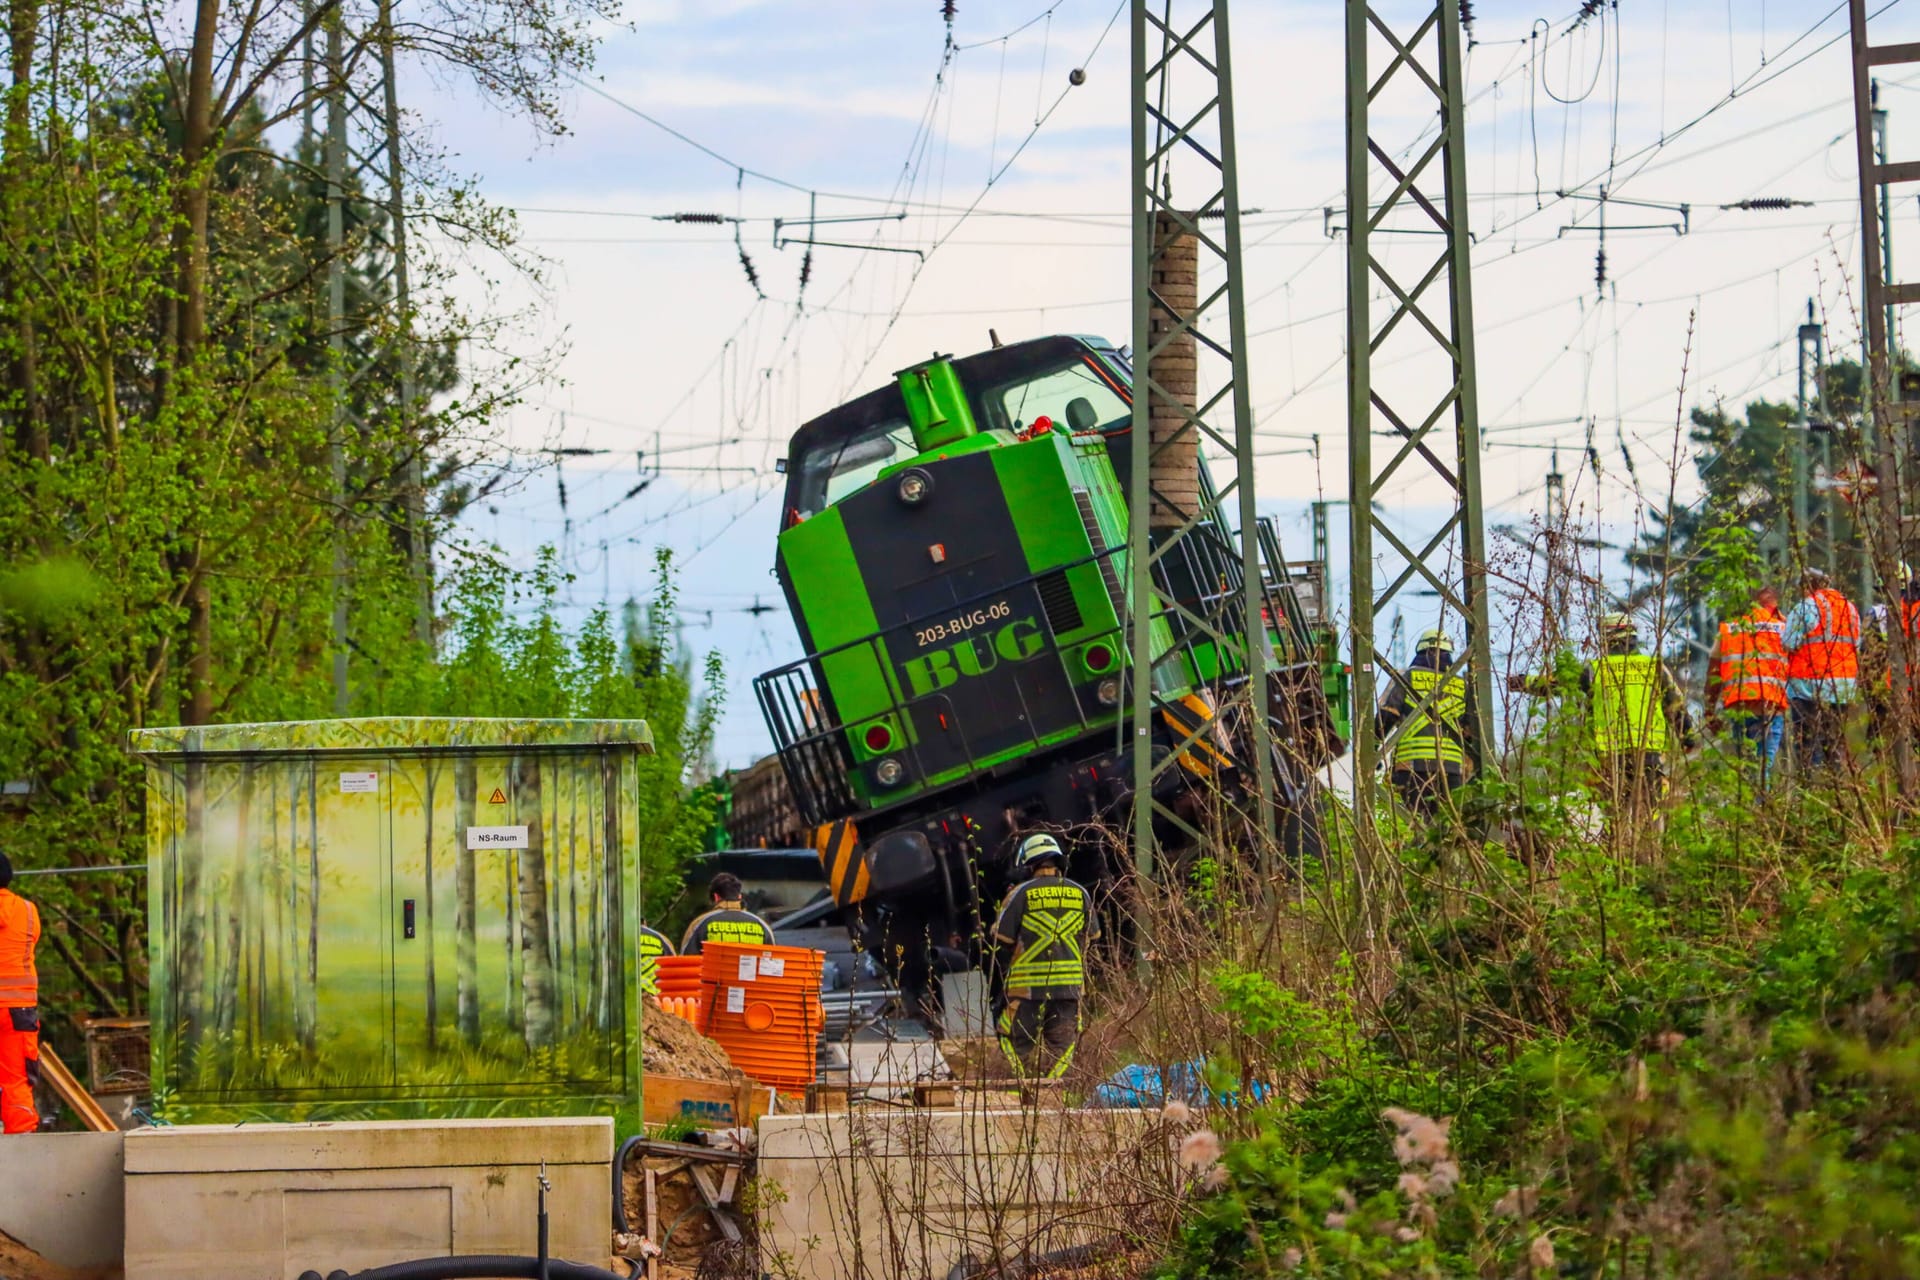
(1073, 394)
(1078, 385)
(832, 470)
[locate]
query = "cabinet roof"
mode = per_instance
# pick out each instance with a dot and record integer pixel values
(389, 734)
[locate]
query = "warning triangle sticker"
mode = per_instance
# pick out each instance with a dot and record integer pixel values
(498, 797)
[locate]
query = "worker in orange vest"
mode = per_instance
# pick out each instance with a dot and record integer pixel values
(1882, 670)
(19, 1007)
(1747, 680)
(1823, 670)
(1910, 623)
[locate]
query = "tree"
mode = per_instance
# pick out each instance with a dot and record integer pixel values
(165, 417)
(1745, 467)
(536, 955)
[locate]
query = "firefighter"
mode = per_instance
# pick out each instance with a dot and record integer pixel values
(1636, 711)
(1747, 680)
(19, 1007)
(653, 945)
(726, 920)
(1430, 757)
(1823, 670)
(1042, 933)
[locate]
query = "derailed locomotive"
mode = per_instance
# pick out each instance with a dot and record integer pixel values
(953, 549)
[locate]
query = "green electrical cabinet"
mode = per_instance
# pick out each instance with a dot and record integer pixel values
(394, 918)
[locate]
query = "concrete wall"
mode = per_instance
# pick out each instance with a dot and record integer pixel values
(60, 1195)
(266, 1202)
(905, 1194)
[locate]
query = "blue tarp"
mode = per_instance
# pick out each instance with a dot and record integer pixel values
(1145, 1086)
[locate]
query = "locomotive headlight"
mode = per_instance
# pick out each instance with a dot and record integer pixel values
(915, 485)
(889, 772)
(1108, 691)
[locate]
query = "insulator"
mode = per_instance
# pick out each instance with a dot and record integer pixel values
(1600, 270)
(753, 277)
(806, 269)
(1769, 202)
(1466, 16)
(705, 219)
(948, 8)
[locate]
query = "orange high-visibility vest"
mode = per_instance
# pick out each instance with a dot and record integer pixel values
(19, 931)
(1753, 660)
(1831, 650)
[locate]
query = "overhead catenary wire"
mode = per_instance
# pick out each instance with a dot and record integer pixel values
(894, 313)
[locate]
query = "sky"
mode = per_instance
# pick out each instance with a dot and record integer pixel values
(1013, 186)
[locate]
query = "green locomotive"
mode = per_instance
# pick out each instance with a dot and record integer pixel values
(953, 550)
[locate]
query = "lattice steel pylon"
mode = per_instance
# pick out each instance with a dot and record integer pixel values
(1438, 385)
(1187, 324)
(366, 186)
(1887, 416)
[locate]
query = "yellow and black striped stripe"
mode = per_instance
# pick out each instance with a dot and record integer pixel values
(1185, 715)
(838, 844)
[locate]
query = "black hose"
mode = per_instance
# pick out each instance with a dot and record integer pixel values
(620, 1182)
(475, 1267)
(1075, 1255)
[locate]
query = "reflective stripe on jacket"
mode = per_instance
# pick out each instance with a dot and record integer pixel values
(1046, 921)
(19, 932)
(1831, 650)
(1628, 714)
(653, 945)
(1433, 733)
(1753, 660)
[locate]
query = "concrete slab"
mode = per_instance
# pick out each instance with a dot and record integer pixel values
(266, 1202)
(863, 1195)
(61, 1196)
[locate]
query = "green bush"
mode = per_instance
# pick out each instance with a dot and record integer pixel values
(1691, 1053)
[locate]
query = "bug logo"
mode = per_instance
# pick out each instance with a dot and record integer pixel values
(974, 655)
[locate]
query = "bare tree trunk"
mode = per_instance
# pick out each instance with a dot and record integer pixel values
(189, 311)
(313, 909)
(465, 955)
(196, 150)
(230, 976)
(256, 912)
(433, 995)
(572, 775)
(200, 651)
(611, 955)
(536, 957)
(281, 878)
(191, 977)
(596, 969)
(23, 22)
(515, 1020)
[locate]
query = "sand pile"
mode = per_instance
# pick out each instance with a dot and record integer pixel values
(671, 1047)
(17, 1262)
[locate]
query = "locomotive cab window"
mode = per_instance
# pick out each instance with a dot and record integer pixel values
(1073, 395)
(831, 470)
